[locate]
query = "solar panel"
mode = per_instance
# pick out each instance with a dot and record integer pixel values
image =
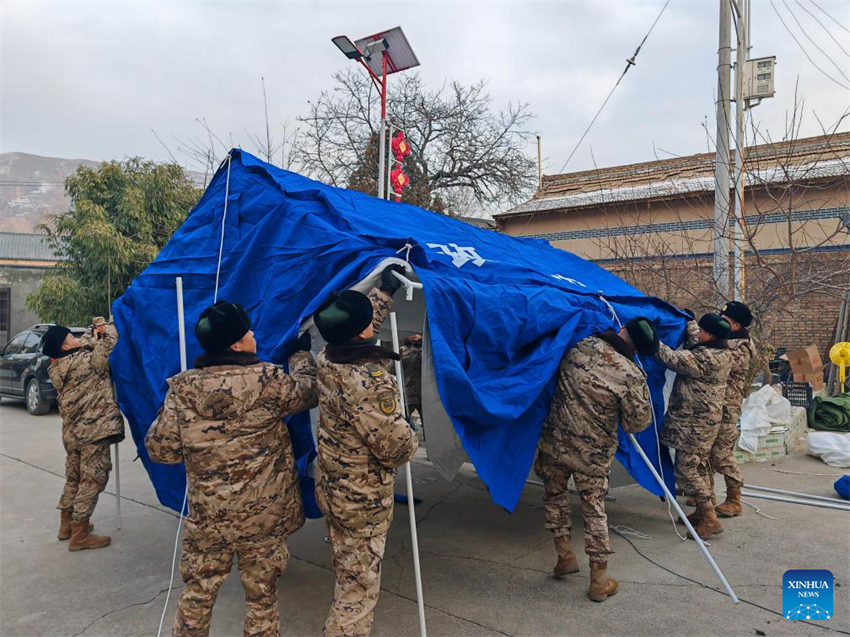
(399, 54)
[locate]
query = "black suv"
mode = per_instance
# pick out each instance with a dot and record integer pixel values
(23, 369)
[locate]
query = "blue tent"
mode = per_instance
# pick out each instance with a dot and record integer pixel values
(501, 311)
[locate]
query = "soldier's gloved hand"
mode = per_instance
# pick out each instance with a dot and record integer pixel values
(389, 282)
(304, 342)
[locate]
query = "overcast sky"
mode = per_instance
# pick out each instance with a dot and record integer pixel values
(92, 79)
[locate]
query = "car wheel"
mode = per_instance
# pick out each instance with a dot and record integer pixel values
(35, 405)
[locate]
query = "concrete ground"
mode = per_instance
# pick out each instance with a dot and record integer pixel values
(485, 572)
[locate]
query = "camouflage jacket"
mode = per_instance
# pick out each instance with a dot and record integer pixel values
(696, 403)
(86, 402)
(225, 420)
(362, 434)
(742, 350)
(598, 386)
(411, 360)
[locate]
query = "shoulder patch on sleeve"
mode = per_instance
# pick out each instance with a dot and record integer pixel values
(645, 392)
(386, 401)
(375, 371)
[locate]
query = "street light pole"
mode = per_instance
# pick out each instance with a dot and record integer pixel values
(382, 134)
(396, 55)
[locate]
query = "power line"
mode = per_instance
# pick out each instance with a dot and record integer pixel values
(824, 27)
(629, 64)
(817, 46)
(829, 15)
(805, 52)
(9, 182)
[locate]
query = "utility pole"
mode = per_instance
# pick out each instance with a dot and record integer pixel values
(721, 159)
(742, 48)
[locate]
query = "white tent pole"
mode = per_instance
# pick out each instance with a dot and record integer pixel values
(781, 498)
(683, 517)
(181, 324)
(117, 488)
(414, 537)
(799, 494)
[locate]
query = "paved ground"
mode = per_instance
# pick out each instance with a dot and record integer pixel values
(485, 572)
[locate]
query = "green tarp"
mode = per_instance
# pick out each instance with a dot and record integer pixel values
(830, 413)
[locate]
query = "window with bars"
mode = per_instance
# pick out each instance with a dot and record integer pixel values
(5, 309)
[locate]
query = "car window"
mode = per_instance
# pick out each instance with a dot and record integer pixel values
(31, 345)
(16, 346)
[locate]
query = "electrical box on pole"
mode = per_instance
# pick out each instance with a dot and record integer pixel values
(759, 78)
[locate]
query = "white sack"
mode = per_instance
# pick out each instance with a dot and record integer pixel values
(831, 447)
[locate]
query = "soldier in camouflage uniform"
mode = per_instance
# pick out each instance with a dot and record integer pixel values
(722, 456)
(411, 360)
(694, 413)
(599, 385)
(225, 420)
(363, 439)
(91, 421)
(98, 331)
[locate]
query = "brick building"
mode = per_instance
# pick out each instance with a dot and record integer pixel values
(653, 224)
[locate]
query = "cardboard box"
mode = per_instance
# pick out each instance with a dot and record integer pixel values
(815, 379)
(780, 442)
(805, 360)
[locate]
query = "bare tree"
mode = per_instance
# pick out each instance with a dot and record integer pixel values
(205, 151)
(781, 179)
(459, 143)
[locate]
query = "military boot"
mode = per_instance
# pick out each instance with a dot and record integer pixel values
(708, 524)
(567, 562)
(732, 507)
(65, 525)
(601, 586)
(693, 518)
(81, 539)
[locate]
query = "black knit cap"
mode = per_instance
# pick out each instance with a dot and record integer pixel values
(221, 325)
(343, 316)
(51, 342)
(737, 311)
(715, 325)
(643, 335)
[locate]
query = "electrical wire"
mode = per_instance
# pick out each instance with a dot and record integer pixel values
(805, 52)
(717, 590)
(823, 26)
(829, 15)
(810, 39)
(629, 64)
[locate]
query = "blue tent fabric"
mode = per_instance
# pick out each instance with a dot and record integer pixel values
(501, 311)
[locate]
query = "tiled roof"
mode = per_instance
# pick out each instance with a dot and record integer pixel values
(25, 247)
(809, 158)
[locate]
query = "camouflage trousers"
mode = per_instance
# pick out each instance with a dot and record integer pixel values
(86, 474)
(556, 504)
(722, 457)
(357, 575)
(693, 475)
(204, 570)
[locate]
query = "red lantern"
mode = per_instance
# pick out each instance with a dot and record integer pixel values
(399, 181)
(401, 148)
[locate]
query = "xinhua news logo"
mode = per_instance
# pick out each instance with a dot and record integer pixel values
(807, 595)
